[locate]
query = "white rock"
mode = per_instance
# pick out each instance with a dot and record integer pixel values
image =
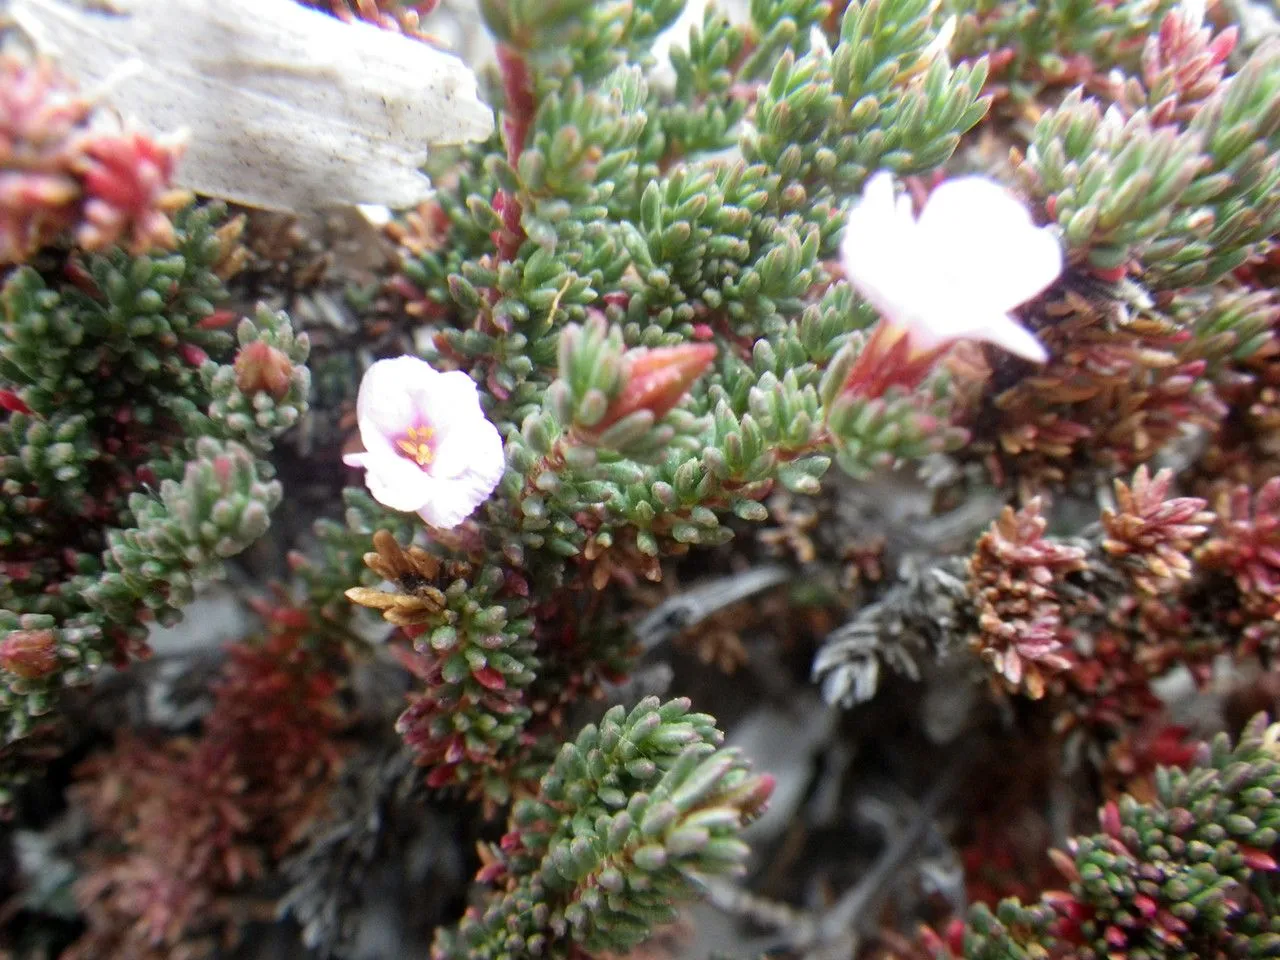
(287, 107)
(783, 743)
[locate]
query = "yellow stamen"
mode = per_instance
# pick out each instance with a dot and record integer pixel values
(416, 445)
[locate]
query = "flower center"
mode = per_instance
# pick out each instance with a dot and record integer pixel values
(416, 444)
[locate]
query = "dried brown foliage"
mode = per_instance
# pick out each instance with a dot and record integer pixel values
(181, 824)
(1151, 533)
(1246, 548)
(1011, 576)
(1119, 385)
(414, 570)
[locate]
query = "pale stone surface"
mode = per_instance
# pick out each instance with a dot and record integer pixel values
(287, 107)
(216, 617)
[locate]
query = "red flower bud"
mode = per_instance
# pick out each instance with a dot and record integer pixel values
(490, 678)
(1256, 859)
(192, 354)
(441, 776)
(1115, 936)
(126, 180)
(1002, 58)
(263, 367)
(1146, 906)
(31, 654)
(1223, 44)
(752, 797)
(217, 320)
(889, 359)
(1065, 866)
(658, 379)
(1111, 275)
(222, 470)
(491, 872)
(933, 944)
(12, 402)
(1110, 819)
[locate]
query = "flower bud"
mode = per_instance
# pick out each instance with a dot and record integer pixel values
(262, 367)
(658, 379)
(31, 654)
(888, 359)
(9, 400)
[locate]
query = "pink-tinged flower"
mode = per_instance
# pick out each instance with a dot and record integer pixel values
(954, 273)
(428, 447)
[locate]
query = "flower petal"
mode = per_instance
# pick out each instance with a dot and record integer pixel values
(452, 501)
(397, 482)
(451, 402)
(1031, 269)
(471, 462)
(470, 446)
(386, 399)
(1008, 334)
(454, 392)
(958, 207)
(877, 250)
(979, 239)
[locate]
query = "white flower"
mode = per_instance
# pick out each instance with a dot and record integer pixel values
(428, 447)
(956, 272)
